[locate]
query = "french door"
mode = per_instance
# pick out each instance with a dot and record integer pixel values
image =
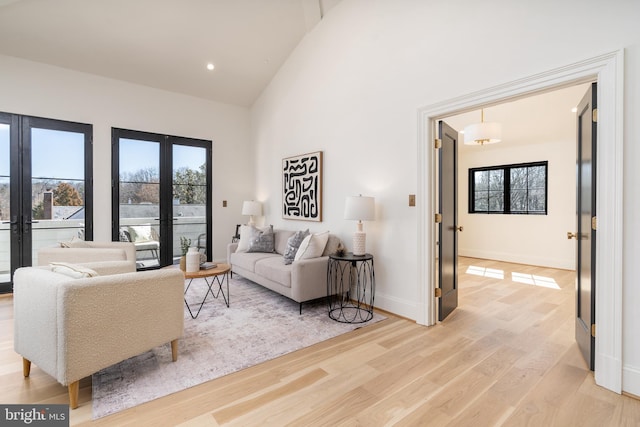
(161, 195)
(45, 188)
(448, 227)
(585, 234)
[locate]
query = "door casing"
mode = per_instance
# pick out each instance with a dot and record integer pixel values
(608, 71)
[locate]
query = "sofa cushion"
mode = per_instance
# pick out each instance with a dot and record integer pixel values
(274, 269)
(293, 243)
(312, 246)
(248, 260)
(282, 237)
(264, 241)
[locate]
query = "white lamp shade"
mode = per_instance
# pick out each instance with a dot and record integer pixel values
(482, 133)
(360, 208)
(252, 208)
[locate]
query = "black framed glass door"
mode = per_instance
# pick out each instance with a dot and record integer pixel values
(162, 193)
(45, 188)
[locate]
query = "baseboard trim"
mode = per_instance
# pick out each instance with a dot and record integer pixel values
(631, 381)
(396, 306)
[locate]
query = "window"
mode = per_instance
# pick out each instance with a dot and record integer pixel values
(163, 194)
(45, 188)
(511, 189)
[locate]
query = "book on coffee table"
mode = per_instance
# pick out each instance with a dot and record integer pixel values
(208, 265)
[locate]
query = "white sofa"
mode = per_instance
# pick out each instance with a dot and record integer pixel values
(303, 280)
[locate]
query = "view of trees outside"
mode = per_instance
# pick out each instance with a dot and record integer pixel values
(489, 190)
(5, 163)
(526, 189)
(4, 198)
(143, 186)
(65, 193)
(190, 186)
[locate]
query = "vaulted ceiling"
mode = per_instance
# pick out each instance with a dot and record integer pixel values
(165, 44)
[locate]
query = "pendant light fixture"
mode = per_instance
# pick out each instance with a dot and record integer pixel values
(482, 133)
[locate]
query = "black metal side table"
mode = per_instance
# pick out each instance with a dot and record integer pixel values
(351, 286)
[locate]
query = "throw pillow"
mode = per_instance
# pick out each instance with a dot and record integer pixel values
(124, 235)
(140, 233)
(312, 246)
(293, 243)
(72, 270)
(264, 241)
(247, 234)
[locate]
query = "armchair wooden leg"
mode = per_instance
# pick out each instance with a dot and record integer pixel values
(26, 367)
(174, 350)
(74, 388)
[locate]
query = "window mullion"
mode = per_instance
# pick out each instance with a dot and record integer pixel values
(507, 190)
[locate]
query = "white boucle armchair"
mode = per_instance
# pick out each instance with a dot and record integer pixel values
(72, 328)
(110, 257)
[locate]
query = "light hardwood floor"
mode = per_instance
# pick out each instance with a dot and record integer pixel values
(505, 357)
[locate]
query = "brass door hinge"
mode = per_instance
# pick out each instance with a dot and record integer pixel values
(438, 292)
(594, 223)
(593, 330)
(438, 218)
(437, 143)
(594, 115)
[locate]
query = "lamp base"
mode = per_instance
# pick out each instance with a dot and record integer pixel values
(359, 242)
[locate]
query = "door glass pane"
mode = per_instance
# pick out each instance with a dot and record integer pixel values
(57, 187)
(189, 198)
(5, 241)
(140, 198)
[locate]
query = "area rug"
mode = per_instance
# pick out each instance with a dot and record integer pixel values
(259, 325)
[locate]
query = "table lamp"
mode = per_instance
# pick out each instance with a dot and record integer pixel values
(252, 209)
(361, 209)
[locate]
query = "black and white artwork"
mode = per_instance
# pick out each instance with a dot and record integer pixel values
(302, 187)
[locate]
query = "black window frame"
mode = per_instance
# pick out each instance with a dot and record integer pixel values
(506, 189)
(166, 143)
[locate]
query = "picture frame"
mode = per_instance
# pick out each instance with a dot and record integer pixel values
(302, 187)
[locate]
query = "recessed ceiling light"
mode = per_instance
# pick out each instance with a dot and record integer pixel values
(210, 66)
(574, 110)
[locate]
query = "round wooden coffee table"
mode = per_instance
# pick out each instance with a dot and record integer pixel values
(218, 275)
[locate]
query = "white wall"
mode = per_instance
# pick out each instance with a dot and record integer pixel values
(353, 86)
(40, 90)
(526, 239)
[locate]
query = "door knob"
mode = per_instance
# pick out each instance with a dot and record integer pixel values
(460, 228)
(571, 235)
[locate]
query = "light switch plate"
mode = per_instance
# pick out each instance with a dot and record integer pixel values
(412, 199)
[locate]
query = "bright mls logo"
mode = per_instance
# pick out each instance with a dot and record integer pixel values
(34, 415)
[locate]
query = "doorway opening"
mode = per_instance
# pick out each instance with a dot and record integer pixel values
(607, 70)
(517, 204)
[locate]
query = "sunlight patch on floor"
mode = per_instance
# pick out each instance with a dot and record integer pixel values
(530, 279)
(486, 272)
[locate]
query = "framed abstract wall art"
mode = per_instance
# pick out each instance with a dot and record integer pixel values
(302, 187)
